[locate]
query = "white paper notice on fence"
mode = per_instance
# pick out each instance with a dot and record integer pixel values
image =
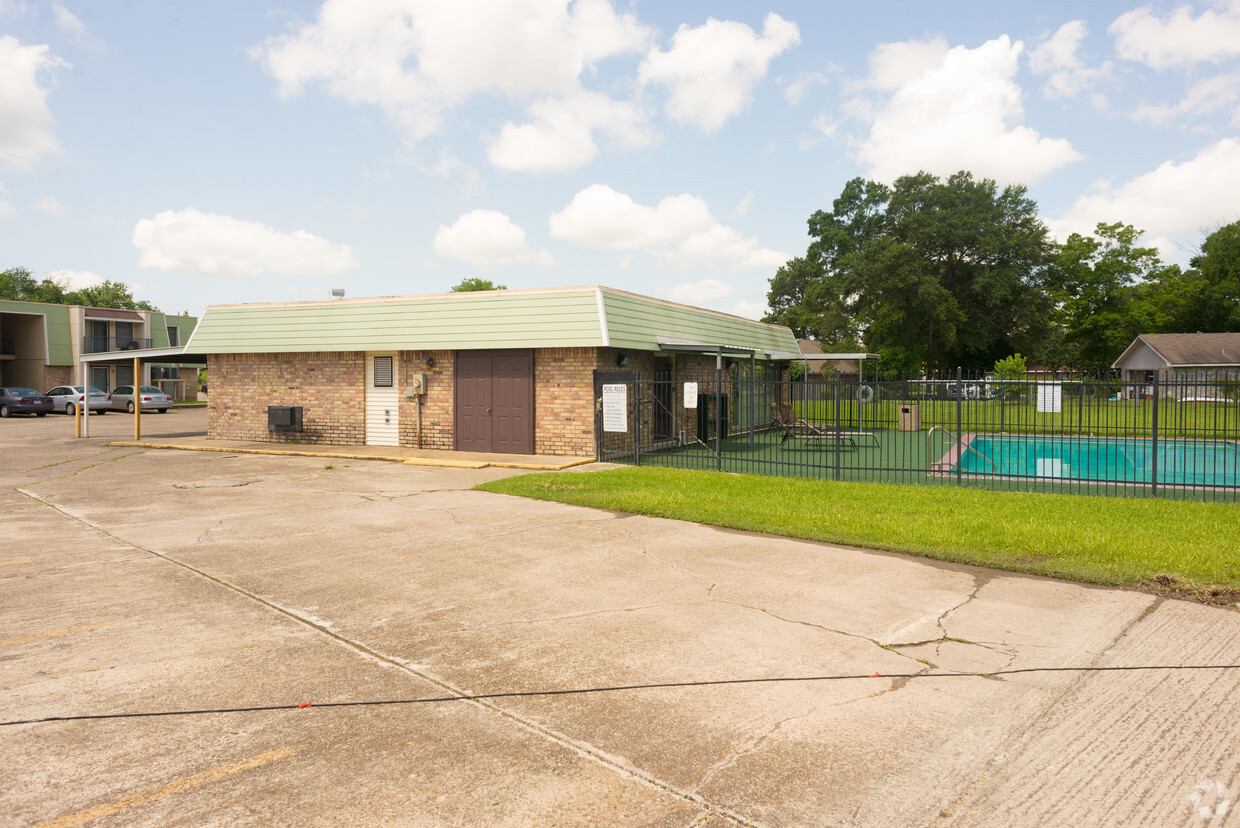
(1050, 396)
(616, 407)
(690, 395)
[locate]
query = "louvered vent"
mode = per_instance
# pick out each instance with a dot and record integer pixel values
(383, 372)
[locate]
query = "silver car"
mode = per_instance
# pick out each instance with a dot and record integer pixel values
(68, 397)
(123, 399)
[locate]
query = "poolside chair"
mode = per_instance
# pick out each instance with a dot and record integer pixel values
(795, 428)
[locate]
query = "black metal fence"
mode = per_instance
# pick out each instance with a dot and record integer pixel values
(1169, 434)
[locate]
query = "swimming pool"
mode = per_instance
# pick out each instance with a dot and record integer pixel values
(1113, 460)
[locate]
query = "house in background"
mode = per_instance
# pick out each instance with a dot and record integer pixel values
(508, 371)
(42, 345)
(1181, 360)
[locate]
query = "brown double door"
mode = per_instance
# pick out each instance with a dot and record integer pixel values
(495, 401)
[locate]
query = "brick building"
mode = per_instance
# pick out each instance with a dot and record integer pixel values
(497, 371)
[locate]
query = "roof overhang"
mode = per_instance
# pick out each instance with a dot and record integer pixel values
(692, 346)
(147, 355)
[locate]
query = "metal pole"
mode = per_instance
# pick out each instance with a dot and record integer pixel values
(85, 406)
(137, 399)
(959, 421)
(753, 390)
(637, 418)
(719, 409)
(1154, 442)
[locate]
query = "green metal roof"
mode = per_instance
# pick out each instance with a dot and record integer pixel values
(539, 318)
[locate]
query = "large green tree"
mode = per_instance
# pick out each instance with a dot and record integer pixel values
(18, 283)
(927, 272)
(1105, 291)
(1209, 301)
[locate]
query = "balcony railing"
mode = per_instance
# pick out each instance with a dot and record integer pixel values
(107, 344)
(8, 347)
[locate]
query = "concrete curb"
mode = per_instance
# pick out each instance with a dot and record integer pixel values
(408, 461)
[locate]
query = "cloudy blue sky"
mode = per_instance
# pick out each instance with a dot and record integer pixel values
(238, 150)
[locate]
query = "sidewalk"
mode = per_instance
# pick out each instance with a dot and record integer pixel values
(398, 454)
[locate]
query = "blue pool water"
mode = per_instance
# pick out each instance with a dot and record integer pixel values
(1180, 463)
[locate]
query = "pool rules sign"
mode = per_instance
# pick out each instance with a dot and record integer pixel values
(616, 407)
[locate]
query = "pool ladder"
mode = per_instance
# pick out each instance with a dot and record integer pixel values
(959, 442)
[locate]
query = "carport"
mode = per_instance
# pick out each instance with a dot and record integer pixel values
(136, 356)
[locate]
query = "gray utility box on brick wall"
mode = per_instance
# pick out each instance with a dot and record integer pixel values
(284, 418)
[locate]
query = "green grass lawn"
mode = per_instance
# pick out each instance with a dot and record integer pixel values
(1183, 548)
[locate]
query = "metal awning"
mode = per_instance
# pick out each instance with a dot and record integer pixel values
(178, 355)
(693, 346)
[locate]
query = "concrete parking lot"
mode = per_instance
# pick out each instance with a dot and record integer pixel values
(193, 602)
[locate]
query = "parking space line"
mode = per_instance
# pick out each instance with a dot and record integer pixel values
(176, 786)
(11, 563)
(55, 633)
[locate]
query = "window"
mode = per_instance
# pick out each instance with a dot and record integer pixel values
(174, 336)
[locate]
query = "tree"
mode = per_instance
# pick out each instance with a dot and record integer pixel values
(1212, 297)
(929, 273)
(473, 283)
(18, 283)
(109, 294)
(1103, 291)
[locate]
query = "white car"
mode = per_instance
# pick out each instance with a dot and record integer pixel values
(68, 397)
(123, 399)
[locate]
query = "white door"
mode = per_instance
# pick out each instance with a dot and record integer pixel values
(382, 401)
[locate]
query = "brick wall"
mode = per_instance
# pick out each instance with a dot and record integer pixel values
(436, 405)
(330, 387)
(564, 399)
(54, 375)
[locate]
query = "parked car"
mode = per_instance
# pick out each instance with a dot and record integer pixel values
(152, 398)
(66, 397)
(24, 401)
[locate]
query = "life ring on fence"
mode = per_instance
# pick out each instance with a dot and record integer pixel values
(865, 394)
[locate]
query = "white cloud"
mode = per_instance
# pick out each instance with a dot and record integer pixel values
(561, 134)
(1059, 57)
(1168, 201)
(750, 309)
(713, 68)
(415, 59)
(679, 230)
(1221, 92)
(25, 121)
(7, 210)
(487, 238)
(1178, 39)
(707, 291)
(944, 110)
(50, 206)
(75, 279)
(68, 23)
(214, 245)
(745, 206)
(798, 88)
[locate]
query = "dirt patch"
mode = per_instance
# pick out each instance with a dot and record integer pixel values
(1173, 586)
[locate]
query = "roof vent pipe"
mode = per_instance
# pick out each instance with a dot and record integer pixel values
(337, 293)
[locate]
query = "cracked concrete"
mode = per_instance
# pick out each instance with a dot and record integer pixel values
(378, 581)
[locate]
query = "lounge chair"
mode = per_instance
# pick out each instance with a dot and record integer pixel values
(795, 428)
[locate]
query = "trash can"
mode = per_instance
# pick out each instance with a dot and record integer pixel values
(910, 418)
